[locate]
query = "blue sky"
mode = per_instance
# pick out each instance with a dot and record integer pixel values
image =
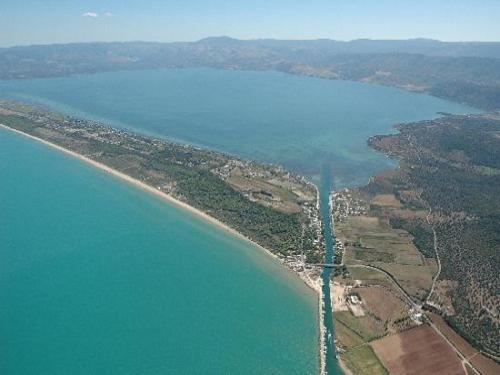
(57, 21)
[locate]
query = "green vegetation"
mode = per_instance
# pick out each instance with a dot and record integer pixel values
(448, 184)
(368, 239)
(362, 360)
(359, 326)
(353, 334)
(203, 190)
(373, 256)
(423, 238)
(195, 176)
(369, 275)
(452, 167)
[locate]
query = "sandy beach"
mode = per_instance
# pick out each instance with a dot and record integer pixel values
(151, 190)
(315, 285)
(145, 187)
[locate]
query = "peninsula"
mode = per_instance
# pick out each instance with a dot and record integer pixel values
(276, 210)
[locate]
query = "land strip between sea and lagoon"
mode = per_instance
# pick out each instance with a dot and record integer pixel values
(276, 211)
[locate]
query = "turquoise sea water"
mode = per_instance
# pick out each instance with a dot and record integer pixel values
(98, 277)
(316, 127)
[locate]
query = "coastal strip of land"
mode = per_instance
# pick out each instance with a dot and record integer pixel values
(149, 189)
(261, 187)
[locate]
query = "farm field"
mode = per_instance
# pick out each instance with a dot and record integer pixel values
(371, 241)
(484, 364)
(378, 311)
(402, 353)
(363, 361)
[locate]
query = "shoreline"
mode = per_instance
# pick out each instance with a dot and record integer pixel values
(303, 276)
(321, 303)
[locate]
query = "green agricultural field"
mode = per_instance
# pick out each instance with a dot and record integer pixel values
(362, 360)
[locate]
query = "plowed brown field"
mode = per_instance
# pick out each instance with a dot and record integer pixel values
(419, 350)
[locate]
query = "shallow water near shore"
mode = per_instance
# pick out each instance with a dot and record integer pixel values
(152, 282)
(99, 277)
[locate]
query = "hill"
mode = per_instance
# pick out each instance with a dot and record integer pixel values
(462, 72)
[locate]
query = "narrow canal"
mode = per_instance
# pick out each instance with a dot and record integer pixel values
(325, 185)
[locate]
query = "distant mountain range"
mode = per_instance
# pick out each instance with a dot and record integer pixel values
(467, 72)
(423, 46)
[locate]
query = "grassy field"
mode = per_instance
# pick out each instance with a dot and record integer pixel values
(386, 200)
(362, 360)
(370, 240)
(369, 276)
(271, 193)
(415, 280)
(346, 336)
(383, 304)
(365, 327)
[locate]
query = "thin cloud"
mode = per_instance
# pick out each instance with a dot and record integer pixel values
(90, 14)
(108, 14)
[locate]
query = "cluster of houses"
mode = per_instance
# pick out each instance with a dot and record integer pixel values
(297, 262)
(224, 172)
(343, 205)
(338, 252)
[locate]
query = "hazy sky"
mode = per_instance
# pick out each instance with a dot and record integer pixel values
(56, 21)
